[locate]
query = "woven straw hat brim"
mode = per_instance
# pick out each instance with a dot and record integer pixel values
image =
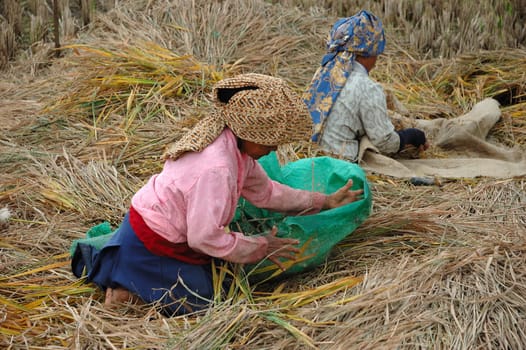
(269, 117)
(195, 140)
(268, 112)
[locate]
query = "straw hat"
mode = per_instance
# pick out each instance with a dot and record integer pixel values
(257, 108)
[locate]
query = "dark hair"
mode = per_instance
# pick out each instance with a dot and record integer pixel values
(225, 94)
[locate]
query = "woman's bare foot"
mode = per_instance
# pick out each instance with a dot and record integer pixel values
(119, 296)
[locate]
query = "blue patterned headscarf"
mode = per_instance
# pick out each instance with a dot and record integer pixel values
(361, 34)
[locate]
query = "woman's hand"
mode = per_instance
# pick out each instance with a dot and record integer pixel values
(413, 136)
(423, 147)
(343, 196)
(280, 248)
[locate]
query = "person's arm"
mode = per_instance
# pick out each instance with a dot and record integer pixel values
(378, 125)
(268, 194)
(265, 193)
(210, 206)
(375, 120)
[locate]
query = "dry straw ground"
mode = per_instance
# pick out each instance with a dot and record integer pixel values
(433, 267)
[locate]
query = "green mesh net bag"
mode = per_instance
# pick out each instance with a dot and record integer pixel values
(318, 233)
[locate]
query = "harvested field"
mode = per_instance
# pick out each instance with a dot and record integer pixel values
(439, 266)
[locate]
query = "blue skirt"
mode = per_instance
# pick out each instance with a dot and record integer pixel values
(124, 261)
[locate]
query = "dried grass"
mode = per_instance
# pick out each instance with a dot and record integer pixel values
(434, 28)
(12, 12)
(7, 43)
(433, 267)
(441, 28)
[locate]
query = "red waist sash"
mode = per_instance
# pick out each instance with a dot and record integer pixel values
(158, 245)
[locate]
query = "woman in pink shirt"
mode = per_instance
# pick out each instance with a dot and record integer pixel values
(178, 222)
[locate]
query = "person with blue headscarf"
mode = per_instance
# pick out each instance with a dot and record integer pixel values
(344, 102)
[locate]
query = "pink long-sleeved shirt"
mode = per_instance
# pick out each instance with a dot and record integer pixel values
(194, 198)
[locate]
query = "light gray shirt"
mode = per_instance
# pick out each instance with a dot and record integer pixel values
(359, 110)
